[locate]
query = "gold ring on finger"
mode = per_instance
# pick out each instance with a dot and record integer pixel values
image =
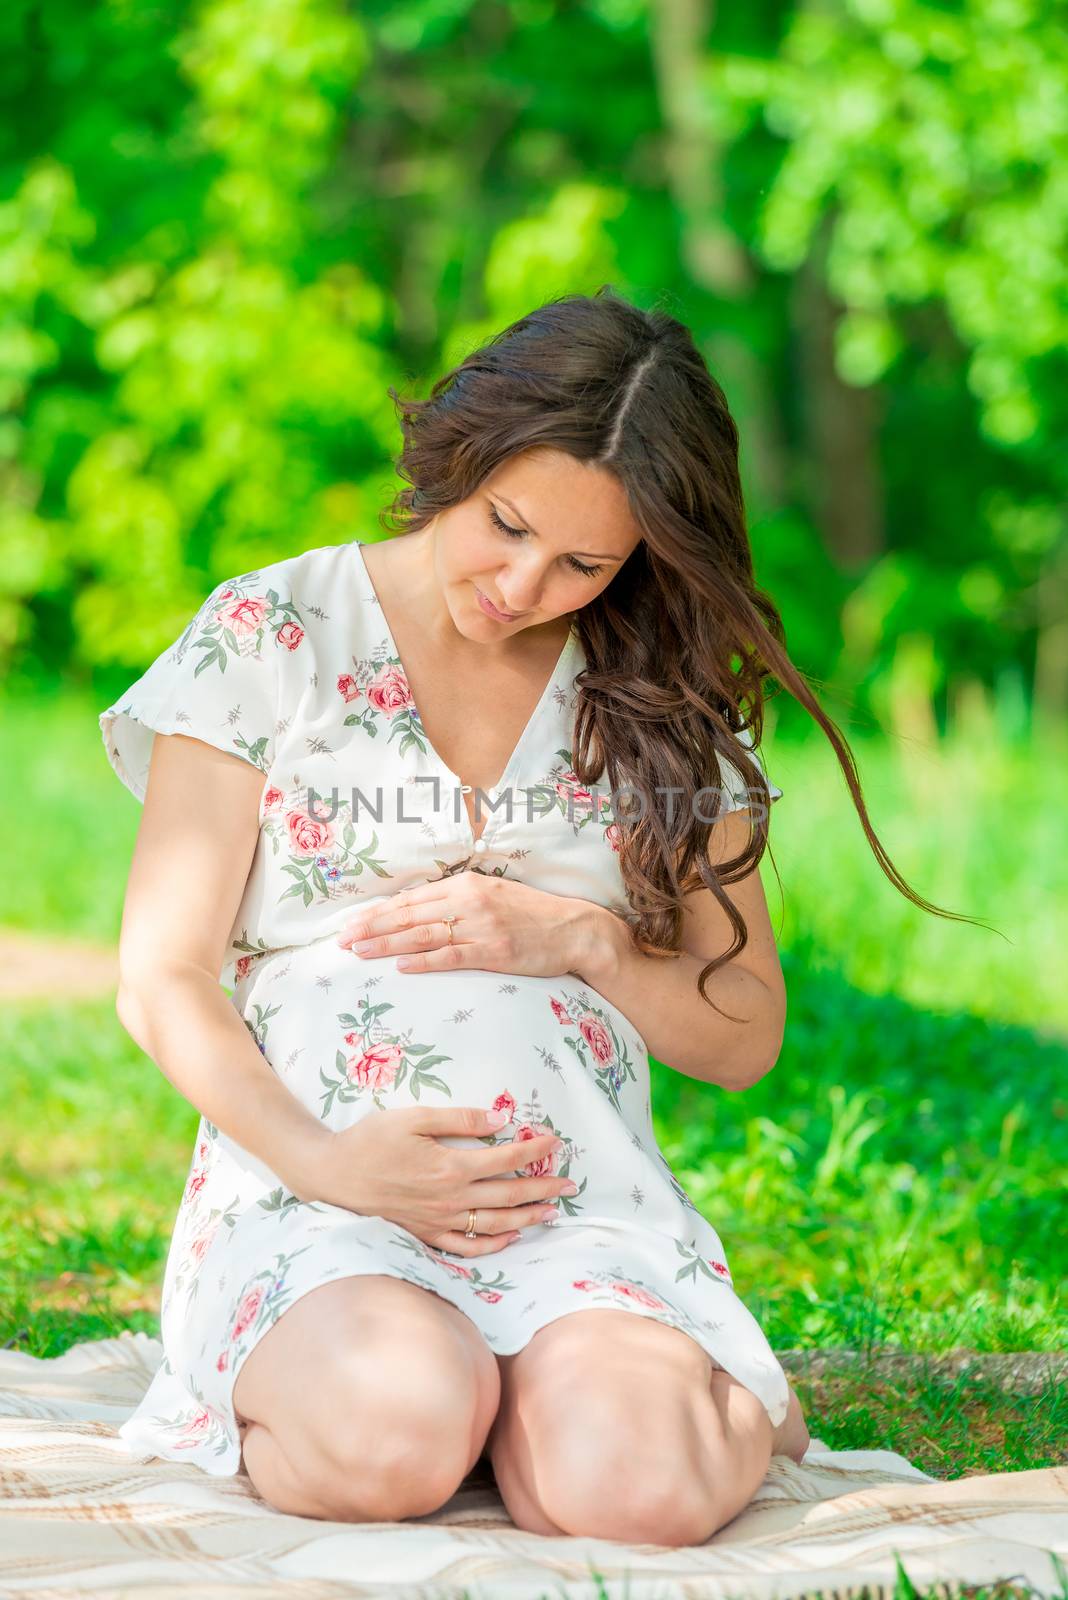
(469, 1231)
(448, 921)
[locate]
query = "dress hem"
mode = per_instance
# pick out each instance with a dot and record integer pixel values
(717, 1350)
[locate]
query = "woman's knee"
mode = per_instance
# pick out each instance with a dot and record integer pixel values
(391, 1438)
(668, 1511)
(395, 1479)
(654, 1491)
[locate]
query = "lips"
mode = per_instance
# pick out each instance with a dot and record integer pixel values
(506, 616)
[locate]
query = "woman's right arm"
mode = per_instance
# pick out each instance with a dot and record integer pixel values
(194, 849)
(195, 846)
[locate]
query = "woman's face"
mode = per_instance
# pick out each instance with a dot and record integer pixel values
(567, 530)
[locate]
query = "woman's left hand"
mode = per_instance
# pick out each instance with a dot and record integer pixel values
(501, 926)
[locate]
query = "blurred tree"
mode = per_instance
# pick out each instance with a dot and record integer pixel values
(922, 185)
(226, 228)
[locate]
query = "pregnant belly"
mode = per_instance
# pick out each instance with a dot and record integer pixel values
(351, 1037)
(348, 1036)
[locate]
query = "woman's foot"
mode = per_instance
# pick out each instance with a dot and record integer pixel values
(791, 1437)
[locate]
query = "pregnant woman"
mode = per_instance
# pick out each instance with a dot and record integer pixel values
(454, 815)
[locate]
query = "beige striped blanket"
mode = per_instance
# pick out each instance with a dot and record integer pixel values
(79, 1516)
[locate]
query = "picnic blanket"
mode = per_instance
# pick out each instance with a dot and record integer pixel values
(80, 1516)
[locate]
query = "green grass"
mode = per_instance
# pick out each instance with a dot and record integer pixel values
(71, 822)
(894, 1181)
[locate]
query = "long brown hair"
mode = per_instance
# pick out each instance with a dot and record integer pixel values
(681, 642)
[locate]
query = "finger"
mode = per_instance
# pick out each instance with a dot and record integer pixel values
(390, 916)
(438, 1120)
(459, 1244)
(424, 938)
(506, 1155)
(507, 1218)
(496, 1216)
(446, 958)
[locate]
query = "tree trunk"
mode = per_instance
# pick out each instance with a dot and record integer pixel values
(712, 255)
(841, 479)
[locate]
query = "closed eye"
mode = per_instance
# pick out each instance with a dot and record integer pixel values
(520, 533)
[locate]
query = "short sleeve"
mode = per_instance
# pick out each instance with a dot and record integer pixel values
(735, 796)
(219, 680)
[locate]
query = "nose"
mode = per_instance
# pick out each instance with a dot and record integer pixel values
(520, 587)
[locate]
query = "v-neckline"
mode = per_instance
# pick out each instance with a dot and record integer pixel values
(511, 766)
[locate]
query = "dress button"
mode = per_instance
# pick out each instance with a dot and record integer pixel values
(480, 844)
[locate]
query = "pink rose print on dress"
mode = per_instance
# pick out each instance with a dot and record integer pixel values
(720, 1267)
(598, 1038)
(199, 1175)
(375, 1068)
(290, 634)
(247, 1312)
(614, 1285)
(194, 1431)
(574, 801)
(504, 1102)
(197, 1180)
(571, 792)
(378, 1060)
(290, 822)
(475, 1278)
(613, 836)
(308, 834)
(388, 691)
(532, 1123)
(597, 1045)
(389, 700)
(242, 617)
(631, 1291)
(545, 1166)
(451, 1266)
(232, 623)
(198, 1249)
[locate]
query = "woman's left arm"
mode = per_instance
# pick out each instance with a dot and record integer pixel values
(659, 993)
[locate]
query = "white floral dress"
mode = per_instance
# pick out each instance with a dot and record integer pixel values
(293, 668)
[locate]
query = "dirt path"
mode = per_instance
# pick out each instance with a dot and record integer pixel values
(36, 966)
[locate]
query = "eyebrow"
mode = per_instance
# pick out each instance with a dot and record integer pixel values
(593, 554)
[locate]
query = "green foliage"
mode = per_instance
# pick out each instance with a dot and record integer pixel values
(196, 392)
(227, 229)
(936, 138)
(923, 150)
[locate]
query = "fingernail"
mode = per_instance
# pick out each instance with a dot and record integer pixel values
(557, 1144)
(498, 1118)
(570, 1187)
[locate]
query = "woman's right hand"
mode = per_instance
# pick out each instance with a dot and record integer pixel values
(390, 1164)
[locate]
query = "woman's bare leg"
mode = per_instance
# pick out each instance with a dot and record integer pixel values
(370, 1399)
